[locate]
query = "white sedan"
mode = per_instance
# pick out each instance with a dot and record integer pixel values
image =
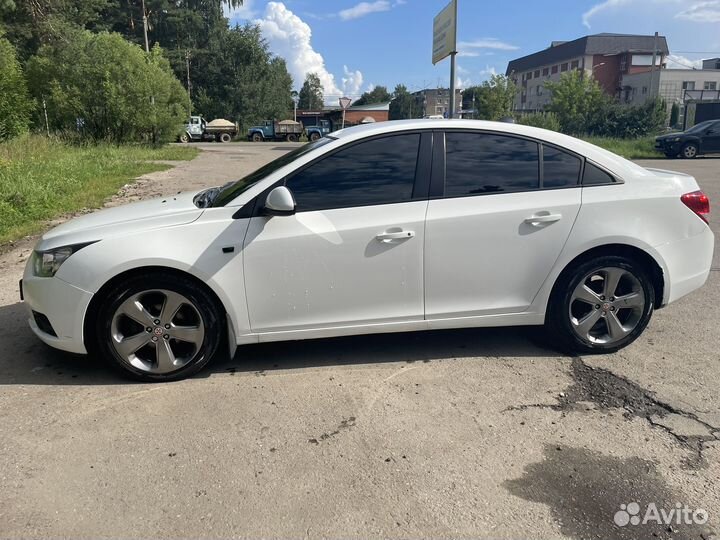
(390, 227)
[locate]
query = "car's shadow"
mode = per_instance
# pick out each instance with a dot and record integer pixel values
(25, 360)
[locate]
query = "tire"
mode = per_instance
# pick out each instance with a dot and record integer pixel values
(314, 136)
(689, 151)
(184, 138)
(141, 353)
(577, 326)
(256, 137)
(292, 137)
(225, 138)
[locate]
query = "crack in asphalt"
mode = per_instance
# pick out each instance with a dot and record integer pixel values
(608, 390)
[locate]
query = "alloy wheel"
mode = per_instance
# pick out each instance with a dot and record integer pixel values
(690, 151)
(157, 331)
(606, 305)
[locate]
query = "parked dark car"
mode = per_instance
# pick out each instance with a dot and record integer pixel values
(702, 138)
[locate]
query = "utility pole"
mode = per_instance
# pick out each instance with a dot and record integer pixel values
(187, 67)
(145, 25)
(652, 67)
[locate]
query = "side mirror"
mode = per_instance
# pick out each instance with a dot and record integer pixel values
(280, 202)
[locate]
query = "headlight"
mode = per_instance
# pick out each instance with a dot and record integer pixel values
(47, 263)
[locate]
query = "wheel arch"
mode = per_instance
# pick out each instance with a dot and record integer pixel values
(97, 298)
(634, 253)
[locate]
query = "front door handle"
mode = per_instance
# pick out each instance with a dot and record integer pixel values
(542, 219)
(397, 235)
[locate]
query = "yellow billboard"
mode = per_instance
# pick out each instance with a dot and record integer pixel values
(445, 32)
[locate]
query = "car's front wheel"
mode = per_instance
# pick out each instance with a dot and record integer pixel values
(600, 306)
(689, 151)
(159, 328)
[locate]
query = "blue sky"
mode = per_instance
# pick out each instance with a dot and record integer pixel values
(354, 45)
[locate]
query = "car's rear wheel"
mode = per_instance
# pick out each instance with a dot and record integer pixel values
(600, 306)
(159, 328)
(689, 151)
(225, 138)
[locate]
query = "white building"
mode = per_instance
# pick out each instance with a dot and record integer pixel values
(669, 84)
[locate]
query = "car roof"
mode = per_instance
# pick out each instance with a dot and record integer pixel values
(616, 164)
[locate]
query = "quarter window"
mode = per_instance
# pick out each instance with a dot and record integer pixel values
(379, 171)
(595, 176)
(479, 163)
(560, 169)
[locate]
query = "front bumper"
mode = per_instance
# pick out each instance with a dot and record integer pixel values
(667, 147)
(64, 307)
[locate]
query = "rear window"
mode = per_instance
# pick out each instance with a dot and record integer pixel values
(560, 169)
(479, 163)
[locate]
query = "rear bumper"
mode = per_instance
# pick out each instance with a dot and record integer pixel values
(63, 305)
(688, 263)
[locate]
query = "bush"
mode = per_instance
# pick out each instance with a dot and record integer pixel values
(631, 122)
(545, 120)
(15, 104)
(108, 89)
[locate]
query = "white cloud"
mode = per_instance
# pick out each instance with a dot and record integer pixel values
(708, 11)
(676, 61)
(488, 72)
(364, 8)
(485, 43)
(597, 8)
(290, 37)
(352, 82)
(239, 14)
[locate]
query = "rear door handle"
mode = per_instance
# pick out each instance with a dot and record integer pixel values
(398, 235)
(543, 218)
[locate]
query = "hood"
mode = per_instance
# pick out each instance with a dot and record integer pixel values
(667, 136)
(152, 214)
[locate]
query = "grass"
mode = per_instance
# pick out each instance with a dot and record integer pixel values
(41, 178)
(642, 148)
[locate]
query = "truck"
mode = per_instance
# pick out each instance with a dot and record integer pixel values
(198, 129)
(322, 128)
(271, 130)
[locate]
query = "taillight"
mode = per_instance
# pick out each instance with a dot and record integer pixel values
(698, 202)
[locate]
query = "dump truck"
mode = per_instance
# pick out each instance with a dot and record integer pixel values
(198, 129)
(271, 130)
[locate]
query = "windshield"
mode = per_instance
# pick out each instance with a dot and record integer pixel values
(700, 127)
(230, 191)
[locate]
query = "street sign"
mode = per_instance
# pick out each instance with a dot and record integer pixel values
(345, 102)
(445, 32)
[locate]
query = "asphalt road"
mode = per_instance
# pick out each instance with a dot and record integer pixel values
(476, 433)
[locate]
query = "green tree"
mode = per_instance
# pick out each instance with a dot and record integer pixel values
(15, 104)
(493, 99)
(245, 82)
(578, 102)
(379, 94)
(311, 93)
(403, 104)
(107, 88)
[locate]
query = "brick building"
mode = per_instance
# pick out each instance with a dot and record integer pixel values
(608, 57)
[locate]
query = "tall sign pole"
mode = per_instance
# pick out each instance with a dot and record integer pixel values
(344, 103)
(445, 44)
